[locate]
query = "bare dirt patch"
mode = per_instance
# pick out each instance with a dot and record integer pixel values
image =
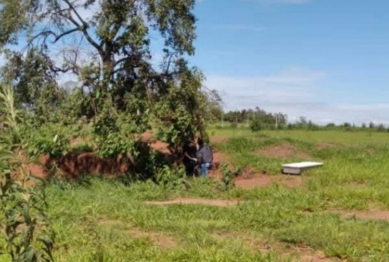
(219, 139)
(317, 257)
(300, 252)
(251, 180)
(283, 151)
(367, 215)
(248, 240)
(157, 238)
(147, 136)
(218, 159)
(197, 201)
(325, 145)
(77, 141)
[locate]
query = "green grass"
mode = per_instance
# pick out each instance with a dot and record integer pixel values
(329, 136)
(95, 223)
(100, 220)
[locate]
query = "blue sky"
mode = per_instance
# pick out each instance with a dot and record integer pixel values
(327, 60)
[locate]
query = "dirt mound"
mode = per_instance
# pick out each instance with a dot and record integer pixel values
(79, 163)
(283, 151)
(198, 201)
(74, 164)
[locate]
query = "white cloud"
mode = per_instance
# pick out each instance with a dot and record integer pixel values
(296, 92)
(294, 84)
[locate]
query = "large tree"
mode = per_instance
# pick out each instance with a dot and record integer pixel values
(107, 45)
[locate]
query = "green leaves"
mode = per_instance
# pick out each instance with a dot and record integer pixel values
(255, 124)
(12, 19)
(49, 139)
(22, 207)
(229, 177)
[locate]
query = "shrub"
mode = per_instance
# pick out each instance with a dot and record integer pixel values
(255, 124)
(229, 177)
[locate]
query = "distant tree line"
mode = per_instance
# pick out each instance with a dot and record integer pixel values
(258, 119)
(246, 116)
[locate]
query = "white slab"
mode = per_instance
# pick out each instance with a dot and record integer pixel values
(298, 168)
(303, 164)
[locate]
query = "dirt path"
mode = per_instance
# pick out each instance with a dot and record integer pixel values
(198, 201)
(299, 253)
(366, 215)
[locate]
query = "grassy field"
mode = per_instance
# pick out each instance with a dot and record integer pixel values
(337, 213)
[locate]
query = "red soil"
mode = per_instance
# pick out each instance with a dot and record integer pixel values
(75, 164)
(283, 151)
(250, 180)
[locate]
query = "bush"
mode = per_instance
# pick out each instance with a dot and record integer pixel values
(229, 177)
(255, 124)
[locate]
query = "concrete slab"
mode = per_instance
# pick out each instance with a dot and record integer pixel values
(298, 168)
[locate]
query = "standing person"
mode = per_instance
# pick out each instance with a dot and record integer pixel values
(190, 159)
(204, 157)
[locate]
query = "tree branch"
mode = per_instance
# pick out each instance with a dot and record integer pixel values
(58, 37)
(83, 28)
(169, 61)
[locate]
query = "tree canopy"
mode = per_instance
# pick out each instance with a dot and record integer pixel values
(108, 45)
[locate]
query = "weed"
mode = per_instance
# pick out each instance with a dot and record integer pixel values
(228, 177)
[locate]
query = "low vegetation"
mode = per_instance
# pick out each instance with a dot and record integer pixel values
(271, 223)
